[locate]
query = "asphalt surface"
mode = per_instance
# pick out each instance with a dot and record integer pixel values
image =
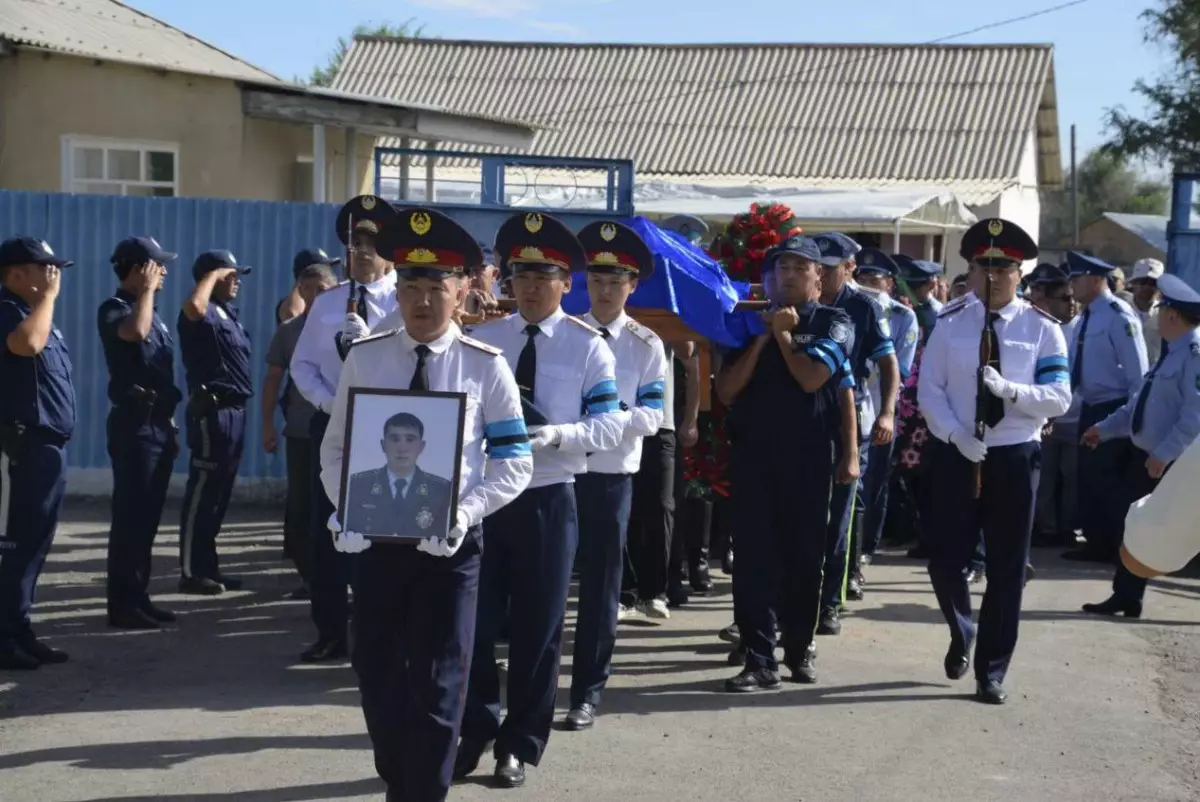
(217, 708)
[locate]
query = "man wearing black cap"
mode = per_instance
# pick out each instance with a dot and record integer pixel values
(336, 318)
(216, 360)
(415, 606)
(37, 418)
(143, 440)
(294, 304)
(617, 259)
(567, 379)
(993, 372)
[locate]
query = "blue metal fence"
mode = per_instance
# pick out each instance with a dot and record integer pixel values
(1183, 229)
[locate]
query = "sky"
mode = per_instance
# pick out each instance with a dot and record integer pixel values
(1099, 47)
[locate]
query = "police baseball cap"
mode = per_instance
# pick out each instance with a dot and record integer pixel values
(835, 248)
(139, 250)
(209, 261)
(309, 257)
(804, 247)
(29, 251)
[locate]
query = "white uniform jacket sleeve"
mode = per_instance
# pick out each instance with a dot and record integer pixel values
(305, 368)
(646, 417)
(932, 396)
(334, 444)
(510, 460)
(603, 423)
(1050, 394)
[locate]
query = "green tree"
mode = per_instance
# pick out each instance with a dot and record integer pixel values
(323, 76)
(1106, 184)
(1170, 132)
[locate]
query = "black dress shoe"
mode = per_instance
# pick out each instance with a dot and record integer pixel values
(466, 760)
(973, 576)
(41, 652)
(510, 772)
(1115, 605)
(730, 634)
(750, 681)
(829, 623)
(131, 619)
(200, 586)
(323, 651)
(854, 590)
(581, 718)
(14, 658)
(230, 582)
(727, 562)
(804, 670)
(737, 657)
(301, 593)
(1030, 572)
(957, 662)
(159, 614)
(990, 692)
(677, 596)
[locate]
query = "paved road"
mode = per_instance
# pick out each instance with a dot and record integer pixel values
(217, 709)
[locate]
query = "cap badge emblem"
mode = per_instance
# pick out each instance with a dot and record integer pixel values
(421, 223)
(868, 259)
(532, 254)
(533, 223)
(46, 247)
(605, 258)
(368, 202)
(995, 227)
(421, 256)
(608, 232)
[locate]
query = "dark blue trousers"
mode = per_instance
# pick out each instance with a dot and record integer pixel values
(31, 494)
(874, 483)
(1102, 497)
(1004, 511)
(216, 444)
(142, 454)
(414, 631)
(329, 569)
(1138, 484)
(528, 549)
(603, 501)
(781, 506)
(837, 539)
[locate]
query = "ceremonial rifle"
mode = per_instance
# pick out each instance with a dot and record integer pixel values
(981, 391)
(351, 300)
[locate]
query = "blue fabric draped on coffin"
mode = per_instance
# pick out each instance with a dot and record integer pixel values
(688, 282)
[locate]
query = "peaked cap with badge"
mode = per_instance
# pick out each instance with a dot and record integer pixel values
(424, 243)
(994, 242)
(873, 260)
(1081, 264)
(617, 249)
(537, 242)
(368, 213)
(1177, 294)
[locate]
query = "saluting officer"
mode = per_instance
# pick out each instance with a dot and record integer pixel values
(415, 606)
(790, 396)
(216, 360)
(338, 317)
(37, 417)
(617, 259)
(876, 274)
(1162, 419)
(872, 343)
(1108, 361)
(143, 440)
(988, 483)
(567, 379)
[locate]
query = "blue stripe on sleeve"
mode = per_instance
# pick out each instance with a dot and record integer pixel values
(847, 382)
(836, 351)
(651, 395)
(885, 348)
(1052, 369)
(819, 350)
(507, 439)
(602, 398)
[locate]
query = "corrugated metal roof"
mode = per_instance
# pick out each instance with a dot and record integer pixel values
(106, 29)
(823, 114)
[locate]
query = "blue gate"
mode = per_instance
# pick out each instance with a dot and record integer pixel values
(1183, 229)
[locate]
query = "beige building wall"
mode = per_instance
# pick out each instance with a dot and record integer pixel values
(222, 154)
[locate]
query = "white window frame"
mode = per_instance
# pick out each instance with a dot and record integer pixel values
(72, 141)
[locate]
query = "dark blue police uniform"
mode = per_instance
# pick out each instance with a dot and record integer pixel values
(782, 466)
(216, 361)
(37, 418)
(142, 438)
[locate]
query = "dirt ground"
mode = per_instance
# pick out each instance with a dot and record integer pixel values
(217, 707)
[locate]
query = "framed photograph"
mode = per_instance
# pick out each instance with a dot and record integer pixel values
(402, 463)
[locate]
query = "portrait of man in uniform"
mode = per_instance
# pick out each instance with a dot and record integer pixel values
(409, 496)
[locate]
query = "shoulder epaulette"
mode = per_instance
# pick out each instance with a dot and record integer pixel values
(1195, 349)
(954, 306)
(479, 345)
(382, 335)
(642, 332)
(581, 324)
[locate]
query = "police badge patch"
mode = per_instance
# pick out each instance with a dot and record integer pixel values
(376, 489)
(839, 332)
(1129, 328)
(422, 489)
(885, 328)
(425, 518)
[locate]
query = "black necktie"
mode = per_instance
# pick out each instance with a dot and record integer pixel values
(1077, 367)
(605, 333)
(527, 364)
(994, 407)
(361, 306)
(1139, 409)
(420, 378)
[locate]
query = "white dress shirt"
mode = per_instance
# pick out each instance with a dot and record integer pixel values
(490, 477)
(316, 364)
(1033, 356)
(641, 385)
(575, 386)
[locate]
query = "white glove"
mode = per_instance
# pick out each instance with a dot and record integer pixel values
(970, 447)
(346, 542)
(354, 328)
(998, 385)
(448, 546)
(543, 436)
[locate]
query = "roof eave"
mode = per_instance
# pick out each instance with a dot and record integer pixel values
(1049, 147)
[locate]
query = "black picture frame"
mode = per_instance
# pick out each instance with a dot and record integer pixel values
(374, 508)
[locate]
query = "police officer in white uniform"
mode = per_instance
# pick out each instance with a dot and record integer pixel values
(617, 259)
(988, 482)
(315, 369)
(567, 378)
(414, 617)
